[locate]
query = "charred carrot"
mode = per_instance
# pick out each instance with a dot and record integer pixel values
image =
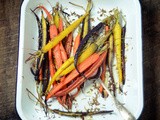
(123, 53)
(80, 114)
(35, 69)
(44, 36)
(45, 74)
(83, 66)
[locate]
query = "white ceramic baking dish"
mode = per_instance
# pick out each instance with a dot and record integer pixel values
(133, 101)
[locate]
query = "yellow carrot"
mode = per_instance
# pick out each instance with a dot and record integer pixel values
(86, 20)
(63, 34)
(44, 36)
(117, 46)
(56, 18)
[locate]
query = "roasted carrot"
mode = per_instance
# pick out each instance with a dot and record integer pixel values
(123, 53)
(69, 38)
(53, 33)
(35, 67)
(81, 79)
(57, 56)
(103, 75)
(86, 20)
(40, 74)
(117, 46)
(45, 74)
(106, 28)
(68, 44)
(56, 16)
(83, 66)
(110, 63)
(80, 114)
(60, 27)
(77, 41)
(44, 36)
(49, 16)
(63, 52)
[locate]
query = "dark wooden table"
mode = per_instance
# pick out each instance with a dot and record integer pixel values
(9, 32)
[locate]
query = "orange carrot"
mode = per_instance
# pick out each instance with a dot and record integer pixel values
(82, 67)
(57, 56)
(60, 27)
(107, 28)
(53, 33)
(49, 16)
(103, 75)
(40, 75)
(51, 65)
(76, 43)
(68, 44)
(63, 52)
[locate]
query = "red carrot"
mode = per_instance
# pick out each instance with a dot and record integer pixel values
(68, 44)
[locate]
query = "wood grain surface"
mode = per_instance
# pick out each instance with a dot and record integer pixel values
(9, 32)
